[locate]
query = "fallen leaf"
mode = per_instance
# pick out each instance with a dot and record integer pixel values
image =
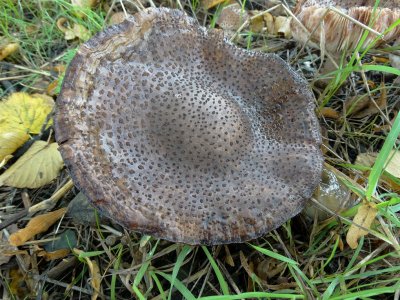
(393, 163)
(11, 138)
(360, 107)
(365, 216)
(37, 167)
(29, 111)
(8, 49)
(366, 159)
(77, 30)
(22, 114)
(282, 26)
(257, 23)
(57, 254)
(35, 226)
(94, 273)
(329, 112)
(392, 167)
(269, 23)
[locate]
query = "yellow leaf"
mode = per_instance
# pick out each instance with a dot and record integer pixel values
(26, 111)
(37, 167)
(8, 49)
(35, 226)
(365, 216)
(20, 115)
(5, 160)
(282, 26)
(94, 273)
(10, 140)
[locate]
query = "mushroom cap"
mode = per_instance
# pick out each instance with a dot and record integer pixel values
(340, 33)
(172, 131)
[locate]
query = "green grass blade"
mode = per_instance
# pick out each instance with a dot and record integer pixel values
(221, 279)
(252, 295)
(142, 271)
(116, 267)
(159, 285)
(383, 155)
(380, 68)
(367, 293)
(181, 257)
(179, 286)
(274, 255)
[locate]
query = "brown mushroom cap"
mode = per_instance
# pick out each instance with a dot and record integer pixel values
(174, 132)
(340, 33)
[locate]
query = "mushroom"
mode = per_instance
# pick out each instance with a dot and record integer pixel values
(174, 132)
(340, 33)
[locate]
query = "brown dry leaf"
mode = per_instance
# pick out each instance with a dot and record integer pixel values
(35, 226)
(8, 49)
(329, 112)
(60, 253)
(94, 273)
(37, 167)
(366, 159)
(360, 107)
(365, 216)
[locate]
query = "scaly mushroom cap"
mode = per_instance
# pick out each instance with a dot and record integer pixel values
(339, 33)
(174, 132)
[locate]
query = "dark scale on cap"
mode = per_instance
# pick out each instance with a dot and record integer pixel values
(172, 131)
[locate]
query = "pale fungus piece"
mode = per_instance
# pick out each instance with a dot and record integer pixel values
(336, 32)
(173, 132)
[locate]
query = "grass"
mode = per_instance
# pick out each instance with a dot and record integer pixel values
(302, 259)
